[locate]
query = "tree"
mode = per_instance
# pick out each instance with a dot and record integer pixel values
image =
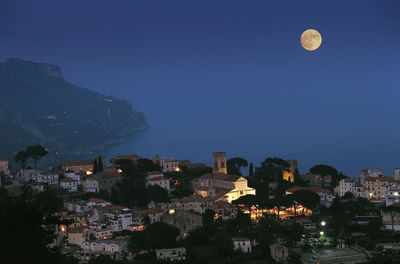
(324, 170)
(247, 200)
(147, 165)
(28, 221)
(198, 237)
(157, 194)
(307, 198)
(235, 164)
(102, 259)
(251, 170)
(271, 170)
(223, 244)
(36, 153)
(161, 235)
(208, 217)
(95, 166)
(100, 165)
(138, 241)
(392, 210)
(21, 157)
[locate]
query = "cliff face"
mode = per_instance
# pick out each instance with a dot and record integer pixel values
(39, 106)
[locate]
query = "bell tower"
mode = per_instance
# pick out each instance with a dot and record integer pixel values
(219, 162)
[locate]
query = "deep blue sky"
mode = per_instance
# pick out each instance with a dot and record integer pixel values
(231, 75)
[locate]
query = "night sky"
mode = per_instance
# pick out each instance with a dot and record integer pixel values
(231, 75)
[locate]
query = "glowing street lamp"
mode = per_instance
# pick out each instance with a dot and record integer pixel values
(321, 233)
(323, 223)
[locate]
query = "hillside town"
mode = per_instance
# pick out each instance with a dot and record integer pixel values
(187, 212)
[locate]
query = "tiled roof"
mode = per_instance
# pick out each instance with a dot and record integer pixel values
(383, 179)
(116, 208)
(3, 159)
(95, 200)
(160, 178)
(67, 179)
(220, 176)
(240, 239)
(78, 229)
(154, 173)
(109, 173)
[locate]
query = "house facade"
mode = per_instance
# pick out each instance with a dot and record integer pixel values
(241, 244)
(157, 178)
(171, 254)
(4, 166)
(69, 184)
(91, 185)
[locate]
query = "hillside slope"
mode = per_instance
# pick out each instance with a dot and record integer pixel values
(39, 106)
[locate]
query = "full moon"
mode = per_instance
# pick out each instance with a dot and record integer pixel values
(310, 39)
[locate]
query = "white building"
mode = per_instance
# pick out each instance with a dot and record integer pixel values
(105, 246)
(27, 175)
(241, 243)
(96, 202)
(77, 235)
(73, 175)
(120, 217)
(392, 200)
(157, 178)
(50, 177)
(171, 254)
(279, 253)
(91, 185)
(169, 165)
(397, 174)
(365, 173)
(352, 186)
(227, 187)
(69, 184)
(154, 215)
(391, 220)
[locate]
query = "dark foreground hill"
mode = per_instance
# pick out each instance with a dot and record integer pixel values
(39, 107)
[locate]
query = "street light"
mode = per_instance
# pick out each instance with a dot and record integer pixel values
(321, 233)
(323, 223)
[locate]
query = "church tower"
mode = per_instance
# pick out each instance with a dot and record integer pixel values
(219, 162)
(397, 174)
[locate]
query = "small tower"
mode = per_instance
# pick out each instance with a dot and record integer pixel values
(219, 162)
(397, 174)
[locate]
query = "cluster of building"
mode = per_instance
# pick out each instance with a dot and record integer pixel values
(73, 176)
(373, 185)
(94, 226)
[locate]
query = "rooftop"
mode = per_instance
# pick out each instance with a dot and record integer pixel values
(159, 178)
(240, 239)
(67, 179)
